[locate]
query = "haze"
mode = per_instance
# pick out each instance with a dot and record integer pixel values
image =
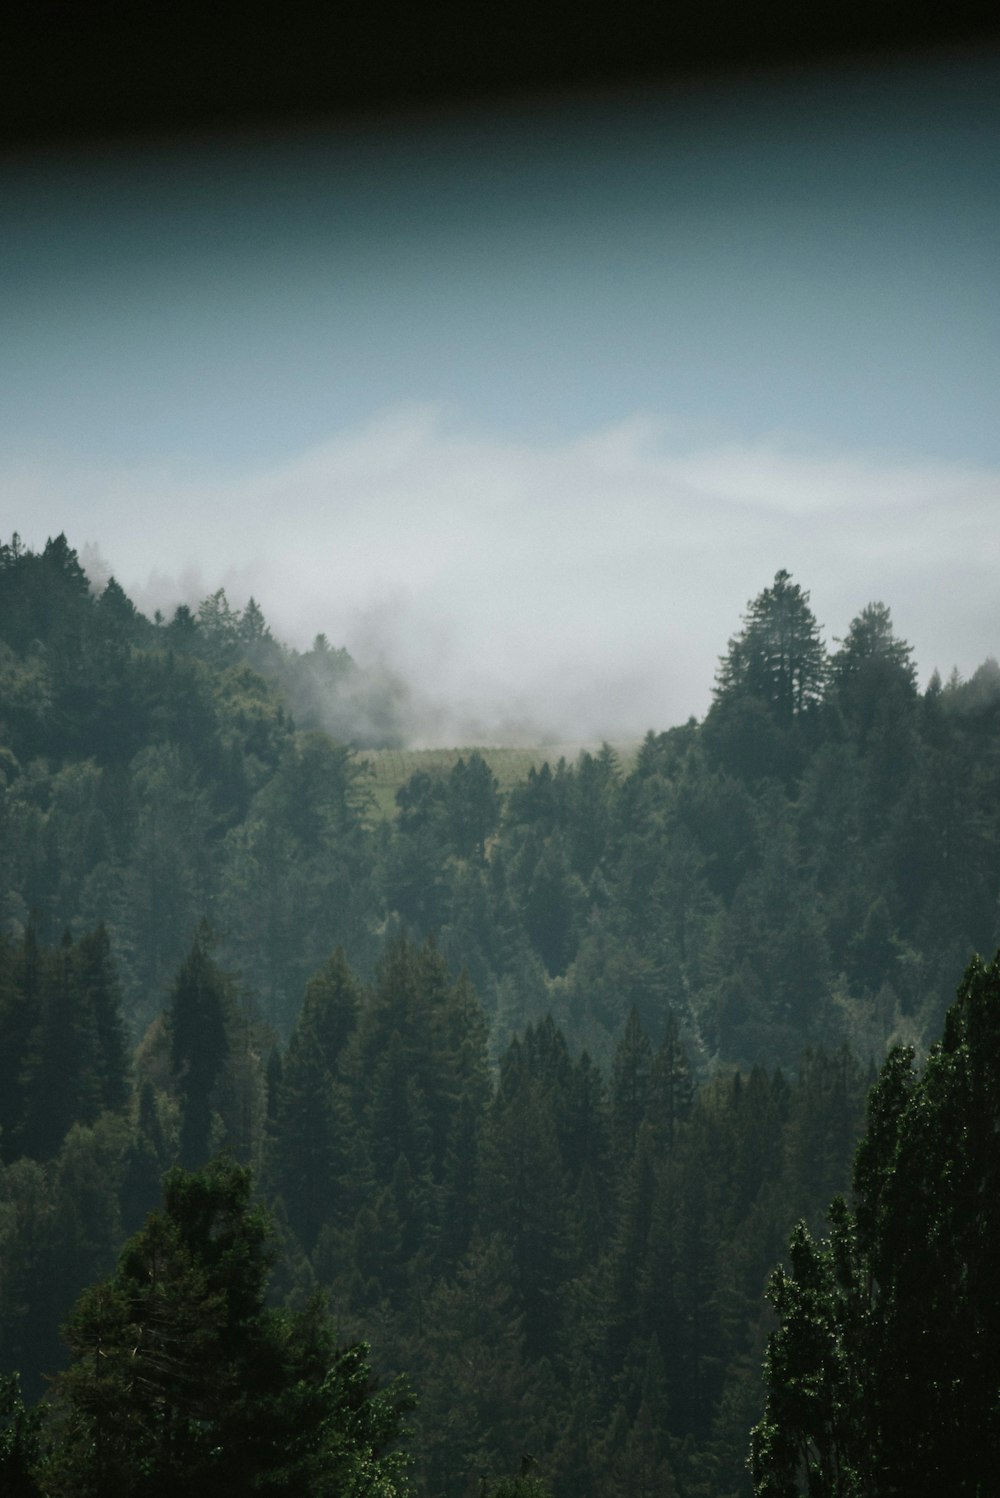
(525, 406)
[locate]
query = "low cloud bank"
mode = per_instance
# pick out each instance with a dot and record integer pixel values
(563, 592)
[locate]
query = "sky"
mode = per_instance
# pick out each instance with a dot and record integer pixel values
(526, 404)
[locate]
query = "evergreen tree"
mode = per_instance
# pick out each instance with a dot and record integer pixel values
(61, 1078)
(631, 1084)
(183, 1380)
(21, 987)
(778, 657)
(199, 1046)
(100, 995)
(313, 1138)
(768, 688)
(30, 1303)
(525, 1201)
(152, 1148)
(671, 1086)
(872, 675)
(472, 805)
(882, 1377)
(20, 1441)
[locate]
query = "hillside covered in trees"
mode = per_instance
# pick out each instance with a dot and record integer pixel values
(534, 1083)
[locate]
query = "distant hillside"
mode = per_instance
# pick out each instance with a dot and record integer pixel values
(812, 863)
(390, 769)
(537, 1053)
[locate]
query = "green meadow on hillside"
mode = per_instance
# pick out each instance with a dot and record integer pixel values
(392, 768)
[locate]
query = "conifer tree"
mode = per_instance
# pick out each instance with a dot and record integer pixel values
(671, 1086)
(314, 1139)
(778, 657)
(525, 1201)
(100, 994)
(199, 1045)
(20, 1441)
(21, 986)
(183, 1380)
(882, 1376)
(61, 1078)
(631, 1080)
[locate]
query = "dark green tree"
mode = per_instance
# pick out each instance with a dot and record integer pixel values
(525, 1200)
(671, 1086)
(20, 1441)
(768, 688)
(631, 1085)
(60, 1067)
(472, 804)
(199, 1045)
(313, 1139)
(778, 656)
(882, 1377)
(21, 988)
(100, 996)
(872, 675)
(183, 1380)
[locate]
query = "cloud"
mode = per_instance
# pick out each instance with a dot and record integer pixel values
(576, 589)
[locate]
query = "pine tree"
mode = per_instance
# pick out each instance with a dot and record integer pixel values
(199, 1045)
(60, 1075)
(671, 1086)
(872, 676)
(631, 1081)
(882, 1376)
(525, 1201)
(313, 1135)
(472, 805)
(183, 1380)
(100, 994)
(778, 657)
(768, 689)
(21, 986)
(20, 1441)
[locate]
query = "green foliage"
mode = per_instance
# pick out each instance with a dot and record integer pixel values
(812, 863)
(313, 1150)
(199, 1019)
(778, 657)
(874, 679)
(552, 1188)
(631, 1085)
(20, 1441)
(62, 1041)
(881, 1377)
(524, 1485)
(182, 1379)
(769, 684)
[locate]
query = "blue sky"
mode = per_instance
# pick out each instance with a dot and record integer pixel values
(529, 403)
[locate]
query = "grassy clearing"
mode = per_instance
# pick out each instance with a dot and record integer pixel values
(391, 768)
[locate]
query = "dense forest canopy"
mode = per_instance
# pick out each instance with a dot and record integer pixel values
(534, 1081)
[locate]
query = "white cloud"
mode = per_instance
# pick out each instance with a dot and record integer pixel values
(586, 586)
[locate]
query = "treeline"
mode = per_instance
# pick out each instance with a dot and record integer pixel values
(810, 865)
(153, 777)
(569, 1270)
(882, 1373)
(183, 1378)
(564, 1264)
(535, 1083)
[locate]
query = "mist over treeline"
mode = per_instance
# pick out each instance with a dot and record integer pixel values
(369, 698)
(323, 686)
(534, 1076)
(413, 677)
(208, 770)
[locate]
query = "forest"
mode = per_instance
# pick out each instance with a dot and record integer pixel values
(544, 1140)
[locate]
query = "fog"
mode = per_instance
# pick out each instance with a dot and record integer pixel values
(523, 410)
(567, 592)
